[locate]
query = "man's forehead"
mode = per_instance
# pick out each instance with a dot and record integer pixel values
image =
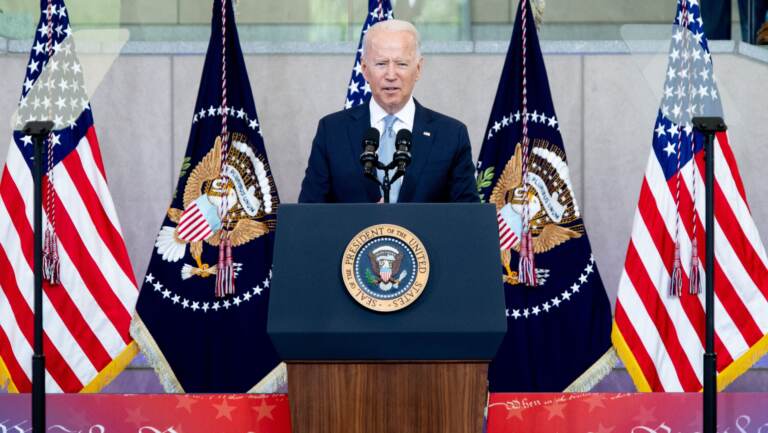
(391, 39)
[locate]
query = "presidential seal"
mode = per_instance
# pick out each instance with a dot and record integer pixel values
(385, 268)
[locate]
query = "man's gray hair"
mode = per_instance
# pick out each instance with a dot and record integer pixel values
(394, 26)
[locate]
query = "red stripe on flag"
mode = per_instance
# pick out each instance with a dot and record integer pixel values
(107, 231)
(638, 349)
(649, 296)
(653, 221)
(14, 204)
(60, 299)
(18, 377)
(89, 271)
(732, 230)
(57, 367)
(726, 293)
(730, 159)
(93, 141)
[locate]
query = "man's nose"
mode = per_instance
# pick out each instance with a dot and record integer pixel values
(390, 73)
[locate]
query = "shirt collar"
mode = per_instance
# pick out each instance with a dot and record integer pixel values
(405, 115)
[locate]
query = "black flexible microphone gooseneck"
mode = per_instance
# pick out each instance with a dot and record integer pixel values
(369, 158)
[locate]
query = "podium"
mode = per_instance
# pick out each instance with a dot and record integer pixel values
(421, 369)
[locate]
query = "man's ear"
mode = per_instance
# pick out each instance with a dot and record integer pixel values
(418, 67)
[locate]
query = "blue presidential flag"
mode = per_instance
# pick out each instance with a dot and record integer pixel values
(358, 91)
(558, 314)
(202, 310)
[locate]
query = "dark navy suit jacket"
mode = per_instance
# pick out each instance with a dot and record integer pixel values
(441, 169)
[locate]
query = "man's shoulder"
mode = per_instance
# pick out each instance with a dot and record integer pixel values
(346, 115)
(440, 118)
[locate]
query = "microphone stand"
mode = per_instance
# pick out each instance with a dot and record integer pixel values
(386, 184)
(709, 126)
(39, 130)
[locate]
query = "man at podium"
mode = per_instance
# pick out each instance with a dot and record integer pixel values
(441, 168)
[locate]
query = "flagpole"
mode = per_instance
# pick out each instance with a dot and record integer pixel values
(709, 126)
(39, 130)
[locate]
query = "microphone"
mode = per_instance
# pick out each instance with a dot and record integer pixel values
(369, 157)
(402, 154)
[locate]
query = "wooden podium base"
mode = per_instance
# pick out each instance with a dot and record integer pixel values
(426, 397)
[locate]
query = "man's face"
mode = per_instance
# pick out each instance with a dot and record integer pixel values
(391, 67)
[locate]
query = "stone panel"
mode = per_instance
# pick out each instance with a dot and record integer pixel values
(148, 12)
(132, 108)
(11, 78)
(619, 113)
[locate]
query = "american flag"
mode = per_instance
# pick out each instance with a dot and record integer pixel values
(86, 339)
(659, 335)
(358, 91)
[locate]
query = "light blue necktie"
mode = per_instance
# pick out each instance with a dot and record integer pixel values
(386, 152)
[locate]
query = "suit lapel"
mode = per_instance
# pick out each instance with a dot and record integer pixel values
(361, 121)
(421, 147)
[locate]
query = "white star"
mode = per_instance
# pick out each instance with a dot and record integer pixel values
(707, 57)
(676, 110)
(185, 303)
(546, 307)
(176, 299)
(688, 129)
(46, 102)
(552, 122)
(226, 304)
(195, 306)
(253, 124)
(536, 310)
(56, 47)
(535, 116)
(517, 116)
(678, 36)
(201, 113)
(695, 55)
(166, 294)
(674, 55)
(665, 110)
(566, 295)
(58, 121)
(691, 109)
(23, 102)
(149, 278)
(660, 130)
(39, 48)
(698, 36)
(680, 92)
(75, 67)
(55, 139)
(54, 65)
(496, 126)
(27, 85)
(366, 88)
(240, 113)
(205, 307)
(556, 301)
(353, 88)
(68, 31)
(671, 73)
(703, 91)
(33, 66)
(515, 314)
(59, 28)
(61, 103)
(505, 121)
(526, 313)
(670, 148)
(257, 290)
(348, 104)
(590, 268)
(84, 103)
(237, 301)
(247, 296)
(62, 11)
(63, 84)
(583, 278)
(26, 139)
(713, 93)
(43, 30)
(673, 130)
(211, 111)
(358, 69)
(215, 306)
